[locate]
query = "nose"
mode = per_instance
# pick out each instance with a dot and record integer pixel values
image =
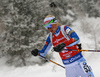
(50, 29)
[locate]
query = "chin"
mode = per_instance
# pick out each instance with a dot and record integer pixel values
(53, 32)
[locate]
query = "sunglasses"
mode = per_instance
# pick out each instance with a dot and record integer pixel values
(49, 25)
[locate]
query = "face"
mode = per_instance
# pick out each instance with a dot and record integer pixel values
(53, 28)
(51, 24)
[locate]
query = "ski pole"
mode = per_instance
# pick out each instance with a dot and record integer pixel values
(53, 5)
(51, 61)
(82, 50)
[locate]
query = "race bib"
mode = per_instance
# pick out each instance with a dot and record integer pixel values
(85, 67)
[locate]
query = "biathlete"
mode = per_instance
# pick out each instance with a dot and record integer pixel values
(62, 38)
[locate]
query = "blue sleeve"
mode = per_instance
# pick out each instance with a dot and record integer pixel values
(46, 47)
(72, 34)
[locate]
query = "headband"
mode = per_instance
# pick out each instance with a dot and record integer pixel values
(49, 18)
(46, 20)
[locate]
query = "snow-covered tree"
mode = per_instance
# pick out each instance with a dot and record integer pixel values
(22, 22)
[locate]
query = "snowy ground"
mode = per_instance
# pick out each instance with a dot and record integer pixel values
(47, 70)
(50, 69)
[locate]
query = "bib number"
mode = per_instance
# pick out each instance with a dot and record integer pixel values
(85, 67)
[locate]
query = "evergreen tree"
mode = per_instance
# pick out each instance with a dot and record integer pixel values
(22, 24)
(24, 32)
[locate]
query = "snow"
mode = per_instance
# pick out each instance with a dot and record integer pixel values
(51, 70)
(30, 71)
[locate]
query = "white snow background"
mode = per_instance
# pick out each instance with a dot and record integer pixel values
(51, 70)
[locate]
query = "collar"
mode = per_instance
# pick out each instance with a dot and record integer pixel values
(57, 31)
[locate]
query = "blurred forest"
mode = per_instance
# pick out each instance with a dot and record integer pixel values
(21, 25)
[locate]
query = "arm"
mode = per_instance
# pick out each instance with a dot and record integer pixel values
(72, 34)
(44, 50)
(46, 47)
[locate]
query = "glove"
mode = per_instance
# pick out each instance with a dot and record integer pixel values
(79, 46)
(59, 47)
(35, 52)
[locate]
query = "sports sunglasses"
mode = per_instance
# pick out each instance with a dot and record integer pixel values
(49, 25)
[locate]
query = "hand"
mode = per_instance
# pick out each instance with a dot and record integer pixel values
(79, 46)
(59, 47)
(35, 52)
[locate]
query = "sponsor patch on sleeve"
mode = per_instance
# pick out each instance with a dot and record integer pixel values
(68, 30)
